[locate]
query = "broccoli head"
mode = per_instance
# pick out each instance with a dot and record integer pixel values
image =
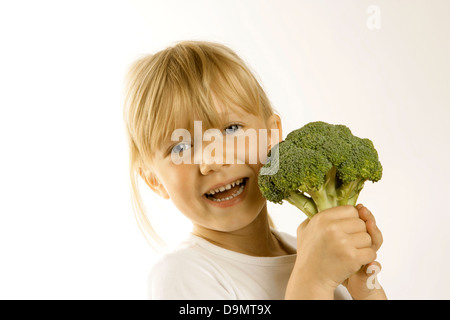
(320, 166)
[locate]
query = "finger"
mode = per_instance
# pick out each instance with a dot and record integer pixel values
(361, 240)
(364, 213)
(341, 212)
(372, 229)
(375, 234)
(366, 255)
(352, 225)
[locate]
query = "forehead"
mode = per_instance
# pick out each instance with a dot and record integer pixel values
(221, 115)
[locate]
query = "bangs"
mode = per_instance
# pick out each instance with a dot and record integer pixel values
(191, 82)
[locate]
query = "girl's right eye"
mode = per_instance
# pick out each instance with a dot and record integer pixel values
(180, 147)
(232, 128)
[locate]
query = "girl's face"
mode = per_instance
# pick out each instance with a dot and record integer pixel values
(217, 195)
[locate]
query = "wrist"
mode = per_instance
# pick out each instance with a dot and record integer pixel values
(303, 287)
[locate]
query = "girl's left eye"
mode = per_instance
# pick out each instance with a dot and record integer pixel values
(232, 128)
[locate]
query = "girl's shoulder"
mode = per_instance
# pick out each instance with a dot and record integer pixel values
(187, 273)
(184, 255)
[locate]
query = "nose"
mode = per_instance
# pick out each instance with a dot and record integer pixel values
(212, 159)
(206, 168)
(209, 164)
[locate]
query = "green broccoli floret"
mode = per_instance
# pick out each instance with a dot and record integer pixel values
(320, 166)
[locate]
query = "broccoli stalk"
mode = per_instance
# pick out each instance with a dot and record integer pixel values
(303, 202)
(325, 197)
(321, 166)
(328, 196)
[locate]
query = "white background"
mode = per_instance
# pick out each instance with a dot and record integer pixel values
(67, 229)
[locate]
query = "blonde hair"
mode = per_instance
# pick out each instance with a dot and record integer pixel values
(164, 91)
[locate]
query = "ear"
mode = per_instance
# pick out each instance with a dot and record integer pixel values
(274, 122)
(152, 181)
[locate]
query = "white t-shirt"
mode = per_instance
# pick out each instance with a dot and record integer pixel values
(198, 269)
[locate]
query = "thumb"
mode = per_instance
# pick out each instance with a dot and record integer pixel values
(300, 229)
(302, 226)
(369, 269)
(372, 269)
(368, 273)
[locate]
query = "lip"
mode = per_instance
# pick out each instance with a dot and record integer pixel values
(223, 184)
(231, 202)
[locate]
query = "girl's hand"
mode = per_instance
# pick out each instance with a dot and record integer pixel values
(363, 285)
(331, 246)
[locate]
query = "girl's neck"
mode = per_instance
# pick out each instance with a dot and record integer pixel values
(256, 239)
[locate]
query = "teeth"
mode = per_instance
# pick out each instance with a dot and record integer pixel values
(234, 195)
(225, 187)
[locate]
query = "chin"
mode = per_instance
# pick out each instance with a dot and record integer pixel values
(244, 218)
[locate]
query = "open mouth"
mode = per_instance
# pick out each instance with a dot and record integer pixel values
(227, 192)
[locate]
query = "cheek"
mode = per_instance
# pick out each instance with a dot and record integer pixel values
(255, 192)
(181, 192)
(176, 180)
(250, 147)
(179, 181)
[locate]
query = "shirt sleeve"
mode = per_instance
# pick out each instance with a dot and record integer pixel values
(187, 277)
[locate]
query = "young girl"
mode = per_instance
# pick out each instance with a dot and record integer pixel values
(233, 252)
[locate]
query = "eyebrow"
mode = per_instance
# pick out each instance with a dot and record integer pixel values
(224, 115)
